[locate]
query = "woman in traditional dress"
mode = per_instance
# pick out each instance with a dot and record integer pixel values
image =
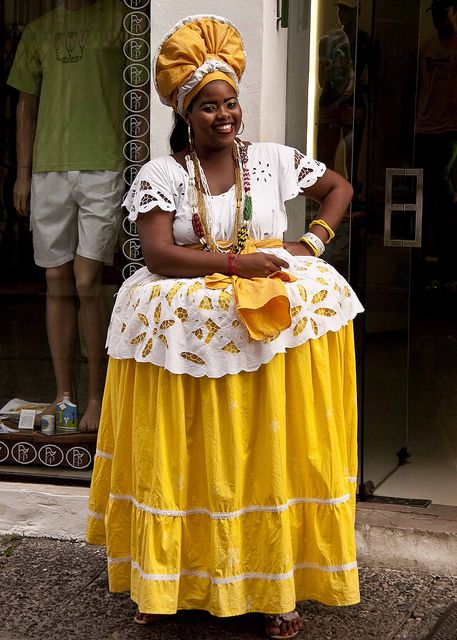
(225, 471)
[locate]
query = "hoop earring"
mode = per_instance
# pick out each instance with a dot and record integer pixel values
(189, 137)
(241, 129)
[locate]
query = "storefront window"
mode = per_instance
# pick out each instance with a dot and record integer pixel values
(75, 131)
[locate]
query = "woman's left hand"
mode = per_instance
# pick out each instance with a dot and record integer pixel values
(298, 249)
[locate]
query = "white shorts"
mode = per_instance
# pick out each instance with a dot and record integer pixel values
(75, 212)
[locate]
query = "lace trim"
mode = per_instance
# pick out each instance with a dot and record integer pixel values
(103, 454)
(95, 515)
(227, 515)
(143, 197)
(257, 575)
(307, 170)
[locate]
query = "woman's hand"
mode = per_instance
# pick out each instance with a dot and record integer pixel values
(258, 265)
(298, 248)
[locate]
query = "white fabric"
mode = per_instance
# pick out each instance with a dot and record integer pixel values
(212, 64)
(278, 173)
(177, 323)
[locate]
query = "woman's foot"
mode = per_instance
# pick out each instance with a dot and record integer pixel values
(283, 625)
(148, 618)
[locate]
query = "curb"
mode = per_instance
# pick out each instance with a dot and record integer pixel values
(390, 536)
(402, 537)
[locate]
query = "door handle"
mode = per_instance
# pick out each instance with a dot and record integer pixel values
(392, 207)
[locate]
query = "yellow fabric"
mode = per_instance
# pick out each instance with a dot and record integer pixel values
(261, 304)
(188, 47)
(230, 494)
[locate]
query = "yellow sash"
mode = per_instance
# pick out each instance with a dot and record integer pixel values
(261, 304)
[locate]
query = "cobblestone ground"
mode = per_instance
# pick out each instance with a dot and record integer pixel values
(54, 590)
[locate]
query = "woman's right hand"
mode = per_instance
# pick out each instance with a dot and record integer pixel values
(258, 265)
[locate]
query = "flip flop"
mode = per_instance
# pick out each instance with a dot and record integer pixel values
(279, 619)
(148, 618)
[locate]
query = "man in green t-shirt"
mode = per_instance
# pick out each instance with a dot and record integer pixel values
(69, 71)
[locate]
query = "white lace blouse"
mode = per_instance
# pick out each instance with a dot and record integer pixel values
(278, 173)
(183, 326)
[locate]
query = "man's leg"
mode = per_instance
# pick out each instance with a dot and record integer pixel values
(94, 322)
(62, 326)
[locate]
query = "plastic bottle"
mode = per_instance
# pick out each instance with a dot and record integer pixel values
(66, 415)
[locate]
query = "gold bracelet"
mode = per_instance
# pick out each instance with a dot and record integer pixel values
(322, 223)
(304, 240)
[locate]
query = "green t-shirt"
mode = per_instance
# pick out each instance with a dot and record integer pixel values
(74, 62)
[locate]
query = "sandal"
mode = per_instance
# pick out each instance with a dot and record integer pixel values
(148, 618)
(279, 619)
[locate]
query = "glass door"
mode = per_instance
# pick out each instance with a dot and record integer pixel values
(381, 104)
(427, 110)
(389, 227)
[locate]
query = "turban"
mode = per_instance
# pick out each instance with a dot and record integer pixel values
(198, 50)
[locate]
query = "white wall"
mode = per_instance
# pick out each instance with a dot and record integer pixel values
(263, 88)
(274, 75)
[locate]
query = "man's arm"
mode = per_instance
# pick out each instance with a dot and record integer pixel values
(26, 118)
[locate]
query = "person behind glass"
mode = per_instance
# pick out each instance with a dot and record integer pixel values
(436, 144)
(343, 59)
(68, 69)
(224, 478)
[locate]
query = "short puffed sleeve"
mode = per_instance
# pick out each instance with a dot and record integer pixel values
(297, 172)
(156, 185)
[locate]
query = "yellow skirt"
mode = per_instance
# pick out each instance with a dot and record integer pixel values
(233, 494)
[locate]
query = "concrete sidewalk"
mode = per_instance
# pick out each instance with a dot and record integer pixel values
(57, 590)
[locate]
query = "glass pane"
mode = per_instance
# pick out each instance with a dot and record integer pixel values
(387, 283)
(431, 471)
(73, 132)
(330, 76)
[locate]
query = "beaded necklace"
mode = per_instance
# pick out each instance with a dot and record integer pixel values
(201, 218)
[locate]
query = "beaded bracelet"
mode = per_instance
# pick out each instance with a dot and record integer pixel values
(315, 243)
(235, 260)
(230, 259)
(322, 223)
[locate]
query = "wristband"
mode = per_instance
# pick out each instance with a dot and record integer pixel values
(315, 243)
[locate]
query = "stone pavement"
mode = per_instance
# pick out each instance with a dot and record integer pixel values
(57, 590)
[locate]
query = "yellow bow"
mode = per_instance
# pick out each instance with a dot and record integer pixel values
(262, 304)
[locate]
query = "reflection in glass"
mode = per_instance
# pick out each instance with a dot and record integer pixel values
(436, 144)
(343, 61)
(65, 76)
(59, 40)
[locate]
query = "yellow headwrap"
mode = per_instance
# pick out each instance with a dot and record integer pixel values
(196, 51)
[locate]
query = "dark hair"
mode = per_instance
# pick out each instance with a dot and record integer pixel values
(178, 136)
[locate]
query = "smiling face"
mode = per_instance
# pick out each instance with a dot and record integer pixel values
(215, 116)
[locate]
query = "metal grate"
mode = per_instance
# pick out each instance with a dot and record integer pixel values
(409, 502)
